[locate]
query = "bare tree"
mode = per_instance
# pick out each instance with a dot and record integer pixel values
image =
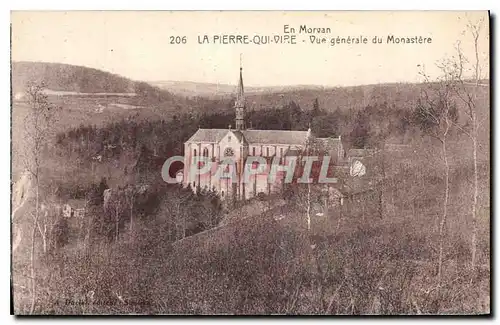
(175, 207)
(47, 219)
(130, 193)
(114, 205)
(436, 113)
(181, 215)
(117, 210)
(50, 211)
(38, 123)
(467, 93)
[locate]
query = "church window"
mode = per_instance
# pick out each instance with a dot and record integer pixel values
(253, 151)
(228, 152)
(267, 151)
(229, 138)
(194, 154)
(205, 152)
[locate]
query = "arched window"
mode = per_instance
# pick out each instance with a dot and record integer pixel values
(267, 151)
(253, 151)
(194, 154)
(205, 152)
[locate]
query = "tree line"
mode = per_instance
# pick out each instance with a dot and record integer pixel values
(368, 127)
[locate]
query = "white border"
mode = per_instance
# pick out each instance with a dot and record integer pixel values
(180, 5)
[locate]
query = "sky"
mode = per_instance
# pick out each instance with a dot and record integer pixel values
(137, 44)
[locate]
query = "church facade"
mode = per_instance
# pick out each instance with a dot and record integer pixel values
(240, 143)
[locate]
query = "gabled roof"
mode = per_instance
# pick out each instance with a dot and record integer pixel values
(275, 137)
(208, 135)
(252, 136)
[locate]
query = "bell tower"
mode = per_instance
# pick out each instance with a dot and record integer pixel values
(239, 104)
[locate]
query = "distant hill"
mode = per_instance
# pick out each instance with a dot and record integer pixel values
(344, 98)
(90, 95)
(93, 88)
(401, 95)
(93, 97)
(87, 94)
(351, 98)
(65, 77)
(191, 88)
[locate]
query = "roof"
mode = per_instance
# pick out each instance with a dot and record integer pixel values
(328, 144)
(208, 135)
(252, 136)
(239, 135)
(275, 137)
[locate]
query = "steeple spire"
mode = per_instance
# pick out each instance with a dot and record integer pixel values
(240, 104)
(241, 91)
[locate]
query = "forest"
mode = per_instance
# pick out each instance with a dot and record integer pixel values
(368, 127)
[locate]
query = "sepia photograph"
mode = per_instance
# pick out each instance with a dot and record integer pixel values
(250, 163)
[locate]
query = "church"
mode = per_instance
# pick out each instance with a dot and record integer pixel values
(241, 142)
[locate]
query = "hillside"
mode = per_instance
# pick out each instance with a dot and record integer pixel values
(88, 96)
(343, 98)
(216, 90)
(93, 90)
(91, 96)
(329, 98)
(65, 77)
(346, 99)
(89, 93)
